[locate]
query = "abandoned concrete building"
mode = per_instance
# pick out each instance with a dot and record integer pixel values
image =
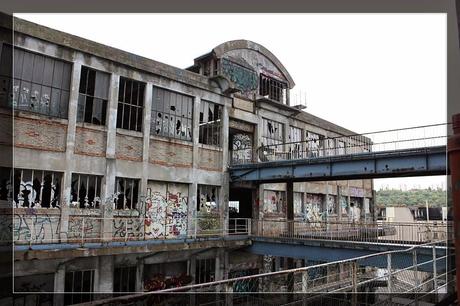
(120, 164)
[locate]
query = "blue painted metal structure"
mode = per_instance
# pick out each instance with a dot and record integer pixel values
(399, 163)
(328, 251)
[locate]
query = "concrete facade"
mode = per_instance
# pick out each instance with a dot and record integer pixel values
(144, 186)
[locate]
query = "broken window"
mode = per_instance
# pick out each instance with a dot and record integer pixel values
(340, 147)
(36, 188)
(6, 68)
(210, 123)
(78, 286)
(6, 187)
(272, 89)
(315, 144)
(272, 132)
(41, 83)
(130, 104)
(92, 100)
(208, 199)
(295, 136)
(127, 191)
(205, 270)
(172, 114)
(124, 279)
(86, 190)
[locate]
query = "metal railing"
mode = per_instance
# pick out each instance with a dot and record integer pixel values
(401, 271)
(43, 229)
(380, 231)
(381, 141)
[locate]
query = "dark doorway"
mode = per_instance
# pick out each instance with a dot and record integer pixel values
(240, 209)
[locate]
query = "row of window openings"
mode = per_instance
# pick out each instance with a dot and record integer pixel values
(274, 200)
(316, 144)
(79, 285)
(37, 188)
(42, 85)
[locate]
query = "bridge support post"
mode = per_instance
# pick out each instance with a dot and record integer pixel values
(290, 208)
(453, 146)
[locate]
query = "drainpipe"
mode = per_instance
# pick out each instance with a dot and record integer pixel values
(453, 146)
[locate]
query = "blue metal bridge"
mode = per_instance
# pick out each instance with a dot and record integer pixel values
(415, 151)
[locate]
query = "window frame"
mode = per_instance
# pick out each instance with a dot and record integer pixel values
(94, 96)
(215, 124)
(134, 196)
(42, 82)
(162, 105)
(84, 203)
(124, 105)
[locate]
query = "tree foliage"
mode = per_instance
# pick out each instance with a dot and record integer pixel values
(413, 197)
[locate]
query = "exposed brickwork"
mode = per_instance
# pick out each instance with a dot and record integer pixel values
(39, 134)
(209, 159)
(129, 148)
(90, 142)
(170, 154)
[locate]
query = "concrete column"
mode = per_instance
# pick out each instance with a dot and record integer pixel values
(145, 146)
(339, 197)
(109, 186)
(290, 207)
(196, 130)
(191, 208)
(104, 273)
(225, 189)
(220, 264)
(192, 269)
(70, 146)
(59, 286)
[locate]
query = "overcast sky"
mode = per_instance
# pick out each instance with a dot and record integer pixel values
(365, 72)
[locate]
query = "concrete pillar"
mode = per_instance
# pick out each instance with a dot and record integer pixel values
(191, 209)
(196, 131)
(225, 189)
(105, 270)
(59, 286)
(290, 207)
(146, 139)
(454, 165)
(109, 186)
(70, 146)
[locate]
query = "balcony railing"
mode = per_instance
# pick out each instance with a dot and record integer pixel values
(44, 229)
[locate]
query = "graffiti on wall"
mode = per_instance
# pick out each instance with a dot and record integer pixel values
(331, 204)
(244, 78)
(242, 147)
(313, 205)
(298, 202)
(130, 228)
(166, 210)
(273, 201)
(36, 228)
(83, 227)
(344, 204)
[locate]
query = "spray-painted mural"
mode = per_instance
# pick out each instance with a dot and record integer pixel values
(331, 204)
(86, 227)
(298, 203)
(166, 210)
(241, 147)
(273, 201)
(313, 204)
(36, 228)
(244, 78)
(344, 204)
(128, 228)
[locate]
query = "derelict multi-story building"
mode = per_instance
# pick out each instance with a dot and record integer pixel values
(121, 161)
